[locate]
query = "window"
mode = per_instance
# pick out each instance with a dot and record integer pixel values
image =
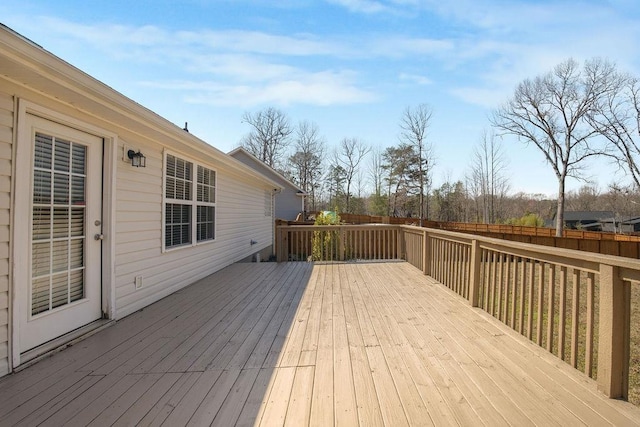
(189, 214)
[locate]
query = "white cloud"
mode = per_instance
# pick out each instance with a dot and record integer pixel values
(409, 47)
(362, 6)
(415, 78)
(260, 42)
(320, 89)
(493, 45)
(240, 67)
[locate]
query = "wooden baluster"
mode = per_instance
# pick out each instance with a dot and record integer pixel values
(562, 311)
(575, 317)
(523, 277)
(514, 291)
(492, 281)
(551, 307)
(588, 363)
(541, 273)
(531, 283)
(500, 284)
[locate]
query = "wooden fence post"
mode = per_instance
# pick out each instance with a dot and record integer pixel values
(613, 334)
(342, 249)
(474, 276)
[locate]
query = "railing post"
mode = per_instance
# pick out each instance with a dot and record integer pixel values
(343, 238)
(474, 276)
(283, 244)
(425, 253)
(613, 334)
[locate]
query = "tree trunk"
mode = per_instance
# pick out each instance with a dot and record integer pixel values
(421, 206)
(560, 210)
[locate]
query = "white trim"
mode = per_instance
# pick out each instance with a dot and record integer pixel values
(11, 293)
(260, 164)
(21, 227)
(193, 202)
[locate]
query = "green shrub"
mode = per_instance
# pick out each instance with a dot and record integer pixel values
(326, 243)
(528, 220)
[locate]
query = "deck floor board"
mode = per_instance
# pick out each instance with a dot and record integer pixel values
(366, 344)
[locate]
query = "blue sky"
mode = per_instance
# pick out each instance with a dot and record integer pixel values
(350, 66)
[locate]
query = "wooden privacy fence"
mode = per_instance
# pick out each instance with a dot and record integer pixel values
(575, 304)
(590, 241)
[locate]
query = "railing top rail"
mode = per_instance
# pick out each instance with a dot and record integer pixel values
(334, 227)
(569, 257)
(572, 258)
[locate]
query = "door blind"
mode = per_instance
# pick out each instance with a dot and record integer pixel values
(58, 223)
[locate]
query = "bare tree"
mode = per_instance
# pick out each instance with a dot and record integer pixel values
(584, 199)
(348, 156)
(377, 172)
(269, 136)
(306, 162)
(474, 191)
(551, 113)
(618, 119)
(413, 131)
(488, 167)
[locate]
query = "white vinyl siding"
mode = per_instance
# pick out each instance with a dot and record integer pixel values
(133, 197)
(6, 138)
(239, 217)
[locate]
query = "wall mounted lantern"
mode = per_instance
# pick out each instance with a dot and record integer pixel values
(137, 159)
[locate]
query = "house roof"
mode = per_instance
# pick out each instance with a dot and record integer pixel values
(590, 216)
(632, 220)
(262, 167)
(29, 65)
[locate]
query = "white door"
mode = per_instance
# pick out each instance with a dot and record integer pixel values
(63, 287)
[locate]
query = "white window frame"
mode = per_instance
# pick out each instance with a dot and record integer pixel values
(193, 202)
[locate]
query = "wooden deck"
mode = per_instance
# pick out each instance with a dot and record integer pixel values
(302, 344)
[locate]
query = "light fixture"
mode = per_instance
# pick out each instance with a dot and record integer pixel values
(137, 159)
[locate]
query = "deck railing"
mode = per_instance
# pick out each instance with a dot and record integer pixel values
(338, 243)
(575, 304)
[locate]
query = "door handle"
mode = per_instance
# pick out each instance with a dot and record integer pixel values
(98, 236)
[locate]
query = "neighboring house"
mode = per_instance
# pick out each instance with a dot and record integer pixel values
(632, 225)
(290, 201)
(624, 226)
(85, 236)
(585, 220)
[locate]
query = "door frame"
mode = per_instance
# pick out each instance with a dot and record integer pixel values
(19, 247)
